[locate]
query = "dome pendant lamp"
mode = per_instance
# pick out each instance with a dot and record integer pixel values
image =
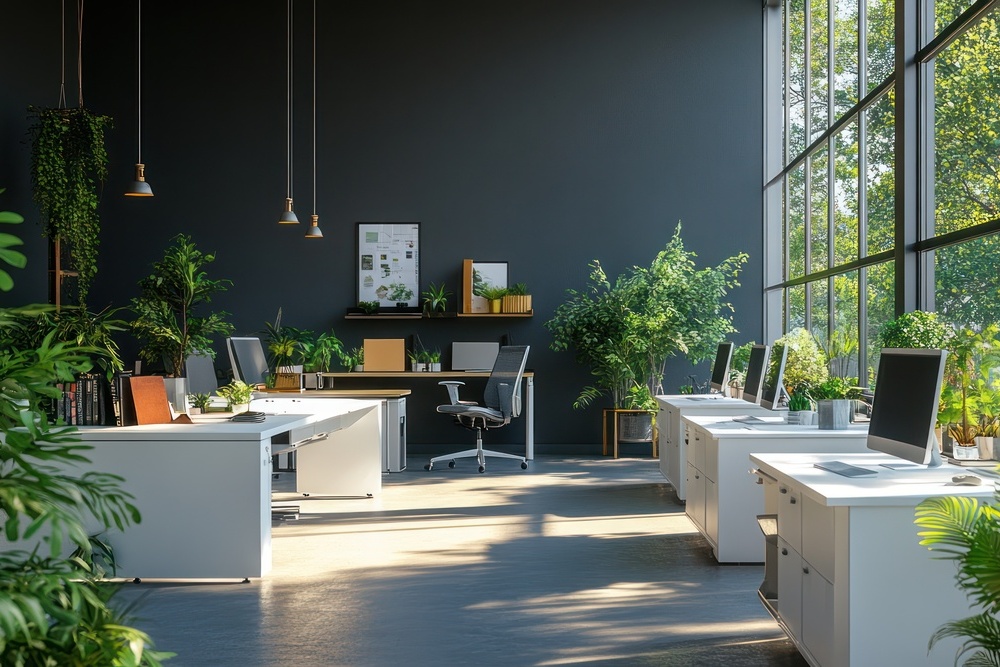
(288, 216)
(314, 231)
(139, 187)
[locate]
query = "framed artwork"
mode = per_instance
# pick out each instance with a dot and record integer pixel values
(388, 264)
(479, 276)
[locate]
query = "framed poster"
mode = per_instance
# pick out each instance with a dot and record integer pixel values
(389, 264)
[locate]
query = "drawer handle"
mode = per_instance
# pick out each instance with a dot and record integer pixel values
(783, 490)
(805, 570)
(784, 552)
(791, 501)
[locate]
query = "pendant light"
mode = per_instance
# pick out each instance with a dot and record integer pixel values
(288, 216)
(314, 231)
(139, 187)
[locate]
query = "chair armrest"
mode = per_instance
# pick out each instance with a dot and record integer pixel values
(452, 387)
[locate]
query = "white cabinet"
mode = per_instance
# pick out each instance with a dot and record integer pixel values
(670, 429)
(726, 496)
(854, 586)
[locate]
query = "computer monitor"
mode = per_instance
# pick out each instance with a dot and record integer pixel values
(759, 355)
(773, 388)
(248, 360)
(720, 369)
(907, 391)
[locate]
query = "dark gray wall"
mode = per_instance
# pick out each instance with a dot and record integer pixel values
(546, 134)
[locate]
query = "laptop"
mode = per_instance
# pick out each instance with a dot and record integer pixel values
(473, 356)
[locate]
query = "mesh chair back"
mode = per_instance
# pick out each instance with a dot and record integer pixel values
(507, 371)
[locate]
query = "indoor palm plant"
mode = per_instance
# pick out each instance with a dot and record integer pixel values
(172, 320)
(967, 531)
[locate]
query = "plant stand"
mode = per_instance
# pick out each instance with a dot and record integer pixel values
(616, 436)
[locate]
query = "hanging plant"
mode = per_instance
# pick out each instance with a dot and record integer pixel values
(68, 161)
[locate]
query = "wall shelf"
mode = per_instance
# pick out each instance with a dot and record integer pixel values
(421, 316)
(528, 314)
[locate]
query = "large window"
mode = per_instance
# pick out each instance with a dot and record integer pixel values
(837, 199)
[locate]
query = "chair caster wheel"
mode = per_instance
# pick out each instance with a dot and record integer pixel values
(482, 469)
(451, 464)
(428, 466)
(524, 465)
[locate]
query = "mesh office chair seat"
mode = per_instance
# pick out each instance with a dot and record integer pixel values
(501, 403)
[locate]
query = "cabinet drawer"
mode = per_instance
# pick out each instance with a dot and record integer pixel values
(790, 588)
(711, 465)
(818, 536)
(696, 448)
(790, 516)
(817, 614)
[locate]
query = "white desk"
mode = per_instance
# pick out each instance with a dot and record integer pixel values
(204, 489)
(724, 499)
(854, 586)
(670, 429)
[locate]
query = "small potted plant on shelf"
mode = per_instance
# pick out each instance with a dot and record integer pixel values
(436, 300)
(434, 361)
(199, 403)
(417, 364)
(800, 407)
(494, 295)
(517, 299)
(369, 307)
(354, 360)
(237, 395)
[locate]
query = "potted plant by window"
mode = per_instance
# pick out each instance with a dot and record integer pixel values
(833, 402)
(495, 296)
(171, 317)
(237, 395)
(800, 407)
(626, 330)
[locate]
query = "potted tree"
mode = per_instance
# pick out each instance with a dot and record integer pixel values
(171, 317)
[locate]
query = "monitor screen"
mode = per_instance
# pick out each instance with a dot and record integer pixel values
(720, 369)
(907, 391)
(759, 355)
(248, 360)
(773, 389)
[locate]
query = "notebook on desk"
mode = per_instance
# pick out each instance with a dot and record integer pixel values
(473, 356)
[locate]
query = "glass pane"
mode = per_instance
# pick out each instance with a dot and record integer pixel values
(819, 67)
(880, 177)
(845, 56)
(966, 129)
(880, 292)
(845, 196)
(819, 324)
(881, 41)
(946, 11)
(819, 210)
(796, 315)
(796, 241)
(967, 284)
(842, 345)
(795, 84)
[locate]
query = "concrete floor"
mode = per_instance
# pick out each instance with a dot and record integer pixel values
(573, 562)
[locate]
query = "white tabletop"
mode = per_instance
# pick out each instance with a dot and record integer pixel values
(903, 487)
(773, 426)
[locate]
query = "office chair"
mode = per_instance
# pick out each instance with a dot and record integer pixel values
(501, 402)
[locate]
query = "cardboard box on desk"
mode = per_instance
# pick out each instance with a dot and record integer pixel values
(385, 354)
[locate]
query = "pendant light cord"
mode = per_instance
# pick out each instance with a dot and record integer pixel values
(314, 107)
(138, 49)
(79, 50)
(289, 51)
(62, 66)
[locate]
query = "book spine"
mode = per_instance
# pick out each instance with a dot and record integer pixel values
(95, 399)
(72, 404)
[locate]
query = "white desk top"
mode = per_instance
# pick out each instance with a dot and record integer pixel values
(905, 487)
(702, 400)
(725, 427)
(216, 426)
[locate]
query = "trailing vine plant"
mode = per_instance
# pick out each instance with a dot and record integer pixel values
(68, 161)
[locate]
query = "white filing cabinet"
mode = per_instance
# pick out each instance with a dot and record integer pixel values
(854, 586)
(670, 429)
(724, 498)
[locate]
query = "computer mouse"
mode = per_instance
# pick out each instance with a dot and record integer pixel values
(967, 480)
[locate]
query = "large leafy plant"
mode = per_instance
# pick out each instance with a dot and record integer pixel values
(968, 532)
(171, 319)
(626, 330)
(916, 329)
(806, 364)
(55, 610)
(10, 257)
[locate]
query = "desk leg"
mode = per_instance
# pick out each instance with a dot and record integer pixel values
(529, 419)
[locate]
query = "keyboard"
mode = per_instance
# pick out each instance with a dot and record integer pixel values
(845, 469)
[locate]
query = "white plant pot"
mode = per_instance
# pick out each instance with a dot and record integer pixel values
(194, 411)
(435, 367)
(985, 445)
(237, 408)
(834, 414)
(965, 453)
(802, 417)
(419, 366)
